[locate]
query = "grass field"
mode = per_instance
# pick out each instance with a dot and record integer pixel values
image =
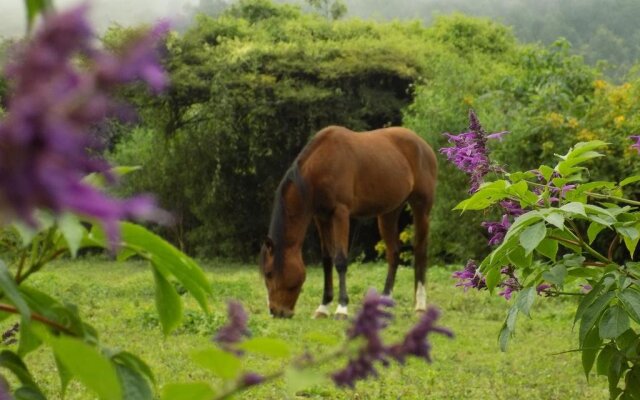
(118, 299)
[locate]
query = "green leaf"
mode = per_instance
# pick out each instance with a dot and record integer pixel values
(614, 322)
(492, 277)
(35, 7)
(630, 235)
(531, 237)
(556, 219)
(503, 338)
(574, 208)
(587, 301)
(590, 349)
(630, 180)
(525, 300)
(169, 260)
(546, 172)
(88, 365)
(10, 289)
(632, 383)
(630, 299)
(72, 231)
(486, 196)
(135, 386)
(548, 248)
(267, 346)
(168, 303)
(64, 374)
(555, 275)
(223, 364)
(298, 379)
(604, 359)
(134, 362)
(593, 230)
(592, 313)
(14, 363)
(187, 391)
(615, 373)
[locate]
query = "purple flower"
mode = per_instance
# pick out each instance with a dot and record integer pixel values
(4, 389)
(543, 289)
(415, 342)
(586, 288)
(236, 328)
(636, 145)
(469, 152)
(470, 277)
(371, 320)
(497, 230)
(512, 208)
(509, 285)
(44, 140)
(251, 379)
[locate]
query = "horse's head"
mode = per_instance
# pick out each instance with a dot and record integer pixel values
(283, 281)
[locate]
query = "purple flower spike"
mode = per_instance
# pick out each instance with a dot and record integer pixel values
(470, 277)
(497, 230)
(586, 288)
(512, 208)
(509, 285)
(636, 145)
(236, 328)
(251, 379)
(415, 342)
(44, 140)
(469, 151)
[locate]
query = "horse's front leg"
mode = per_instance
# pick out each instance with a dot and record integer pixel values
(326, 243)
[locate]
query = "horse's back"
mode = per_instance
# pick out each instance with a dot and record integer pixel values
(373, 171)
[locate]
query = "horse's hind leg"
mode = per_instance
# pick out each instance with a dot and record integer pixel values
(340, 230)
(326, 242)
(421, 209)
(388, 227)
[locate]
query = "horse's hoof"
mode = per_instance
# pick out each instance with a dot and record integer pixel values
(320, 315)
(341, 317)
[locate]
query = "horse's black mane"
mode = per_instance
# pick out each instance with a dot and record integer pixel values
(276, 227)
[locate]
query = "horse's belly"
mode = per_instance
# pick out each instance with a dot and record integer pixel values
(379, 198)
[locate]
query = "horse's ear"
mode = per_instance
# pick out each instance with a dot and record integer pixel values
(268, 243)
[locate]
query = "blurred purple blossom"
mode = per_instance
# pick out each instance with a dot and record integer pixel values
(636, 145)
(251, 379)
(4, 389)
(586, 288)
(369, 323)
(470, 277)
(415, 342)
(236, 328)
(44, 140)
(469, 151)
(497, 230)
(543, 289)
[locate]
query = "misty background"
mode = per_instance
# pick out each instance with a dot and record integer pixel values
(599, 30)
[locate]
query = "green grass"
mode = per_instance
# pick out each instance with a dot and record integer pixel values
(118, 300)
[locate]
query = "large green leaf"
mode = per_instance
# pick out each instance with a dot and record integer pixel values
(526, 298)
(14, 363)
(531, 237)
(630, 299)
(168, 302)
(590, 349)
(592, 314)
(88, 365)
(72, 230)
(614, 322)
(10, 289)
(593, 231)
(556, 274)
(166, 258)
(574, 208)
(134, 384)
(486, 196)
(548, 248)
(604, 359)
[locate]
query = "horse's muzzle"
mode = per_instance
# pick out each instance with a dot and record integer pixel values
(280, 313)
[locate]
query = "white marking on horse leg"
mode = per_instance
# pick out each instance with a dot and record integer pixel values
(421, 297)
(321, 312)
(342, 310)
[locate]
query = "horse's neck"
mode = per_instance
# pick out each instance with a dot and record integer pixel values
(297, 217)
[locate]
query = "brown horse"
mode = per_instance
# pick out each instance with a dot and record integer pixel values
(339, 174)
